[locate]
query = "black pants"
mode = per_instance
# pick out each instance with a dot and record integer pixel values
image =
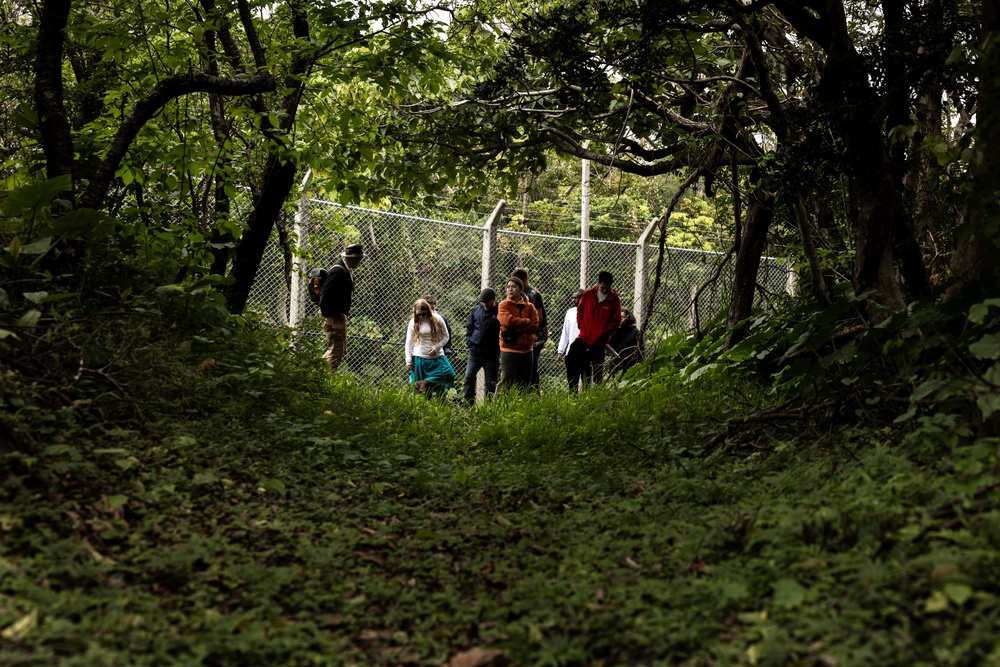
(584, 361)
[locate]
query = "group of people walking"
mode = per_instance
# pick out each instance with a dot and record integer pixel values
(504, 339)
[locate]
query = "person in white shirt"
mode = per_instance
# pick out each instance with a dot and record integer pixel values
(570, 331)
(426, 337)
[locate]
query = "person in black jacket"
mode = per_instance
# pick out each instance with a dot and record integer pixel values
(625, 342)
(482, 337)
(335, 303)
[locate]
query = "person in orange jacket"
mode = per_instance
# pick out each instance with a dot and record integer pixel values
(598, 315)
(518, 324)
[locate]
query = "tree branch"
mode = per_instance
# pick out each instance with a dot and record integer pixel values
(167, 90)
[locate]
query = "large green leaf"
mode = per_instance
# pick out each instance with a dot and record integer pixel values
(987, 347)
(978, 313)
(84, 222)
(34, 196)
(39, 247)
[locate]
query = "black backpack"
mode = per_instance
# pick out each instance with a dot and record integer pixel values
(447, 349)
(315, 284)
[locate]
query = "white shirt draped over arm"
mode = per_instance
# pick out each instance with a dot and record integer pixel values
(570, 331)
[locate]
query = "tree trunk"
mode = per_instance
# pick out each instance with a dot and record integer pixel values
(760, 214)
(809, 248)
(975, 251)
(899, 54)
(930, 217)
(220, 256)
(907, 250)
(54, 130)
(278, 179)
(873, 208)
(222, 205)
(848, 97)
(55, 134)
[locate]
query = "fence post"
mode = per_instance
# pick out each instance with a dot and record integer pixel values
(486, 280)
(639, 305)
(585, 225)
(489, 243)
(298, 261)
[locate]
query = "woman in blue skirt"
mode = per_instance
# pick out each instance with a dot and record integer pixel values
(426, 337)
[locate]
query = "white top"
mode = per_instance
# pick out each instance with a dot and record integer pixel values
(421, 347)
(570, 332)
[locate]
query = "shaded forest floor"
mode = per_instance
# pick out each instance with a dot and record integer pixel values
(219, 500)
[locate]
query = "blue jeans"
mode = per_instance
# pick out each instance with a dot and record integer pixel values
(472, 366)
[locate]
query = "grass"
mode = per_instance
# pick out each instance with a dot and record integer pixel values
(239, 507)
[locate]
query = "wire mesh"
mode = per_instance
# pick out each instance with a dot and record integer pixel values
(407, 257)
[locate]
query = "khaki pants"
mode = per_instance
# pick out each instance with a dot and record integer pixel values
(335, 328)
(515, 370)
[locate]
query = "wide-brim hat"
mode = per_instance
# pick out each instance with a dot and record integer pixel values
(353, 250)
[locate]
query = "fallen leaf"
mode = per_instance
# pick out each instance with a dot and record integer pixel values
(479, 657)
(96, 555)
(21, 628)
(370, 557)
(333, 621)
(937, 602)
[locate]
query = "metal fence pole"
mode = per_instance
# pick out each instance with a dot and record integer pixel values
(639, 303)
(585, 225)
(489, 254)
(298, 261)
(489, 244)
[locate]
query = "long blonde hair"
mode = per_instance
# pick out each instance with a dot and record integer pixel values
(422, 312)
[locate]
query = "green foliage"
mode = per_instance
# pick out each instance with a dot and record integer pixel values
(205, 493)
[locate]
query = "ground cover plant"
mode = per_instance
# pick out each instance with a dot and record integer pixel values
(812, 485)
(193, 490)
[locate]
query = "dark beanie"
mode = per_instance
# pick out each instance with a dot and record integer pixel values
(487, 295)
(605, 277)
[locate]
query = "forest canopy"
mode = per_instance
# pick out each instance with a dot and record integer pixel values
(863, 130)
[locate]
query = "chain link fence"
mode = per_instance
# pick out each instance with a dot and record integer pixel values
(407, 257)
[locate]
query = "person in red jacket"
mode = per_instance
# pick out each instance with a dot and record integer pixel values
(518, 324)
(598, 315)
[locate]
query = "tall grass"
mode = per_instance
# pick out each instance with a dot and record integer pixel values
(240, 506)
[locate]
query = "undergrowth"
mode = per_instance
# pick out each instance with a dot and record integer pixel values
(204, 494)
